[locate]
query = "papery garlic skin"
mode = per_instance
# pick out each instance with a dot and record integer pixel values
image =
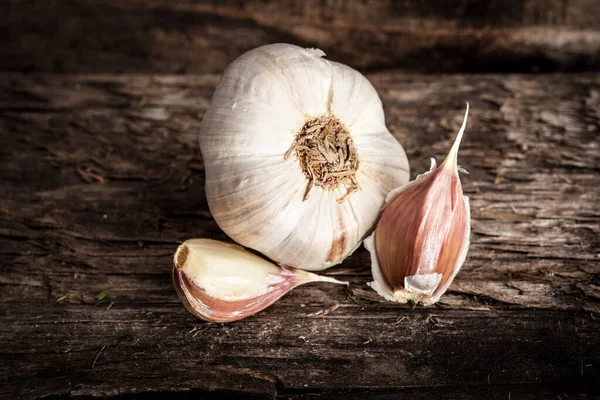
(258, 196)
(422, 238)
(222, 282)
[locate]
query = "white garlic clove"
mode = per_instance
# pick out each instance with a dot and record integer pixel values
(301, 200)
(222, 282)
(422, 238)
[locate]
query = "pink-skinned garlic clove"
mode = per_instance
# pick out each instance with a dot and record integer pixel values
(222, 282)
(422, 238)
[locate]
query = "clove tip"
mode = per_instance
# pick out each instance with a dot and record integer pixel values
(306, 277)
(451, 158)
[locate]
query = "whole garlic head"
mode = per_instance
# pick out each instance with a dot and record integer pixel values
(297, 155)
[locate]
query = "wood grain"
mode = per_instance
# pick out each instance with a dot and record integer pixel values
(102, 177)
(193, 36)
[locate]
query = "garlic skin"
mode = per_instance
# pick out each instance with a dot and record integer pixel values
(222, 282)
(297, 156)
(422, 238)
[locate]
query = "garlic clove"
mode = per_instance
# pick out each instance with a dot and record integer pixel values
(422, 237)
(222, 282)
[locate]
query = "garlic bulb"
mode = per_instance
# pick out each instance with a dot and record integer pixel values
(222, 282)
(422, 238)
(297, 155)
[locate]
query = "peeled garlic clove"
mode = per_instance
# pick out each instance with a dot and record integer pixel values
(422, 238)
(222, 282)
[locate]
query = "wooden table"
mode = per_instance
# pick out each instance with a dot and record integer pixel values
(102, 177)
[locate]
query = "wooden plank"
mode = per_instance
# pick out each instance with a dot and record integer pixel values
(102, 178)
(204, 37)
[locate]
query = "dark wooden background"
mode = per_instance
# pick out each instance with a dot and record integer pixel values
(101, 177)
(191, 36)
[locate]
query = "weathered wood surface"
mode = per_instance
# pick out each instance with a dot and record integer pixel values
(205, 36)
(101, 178)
